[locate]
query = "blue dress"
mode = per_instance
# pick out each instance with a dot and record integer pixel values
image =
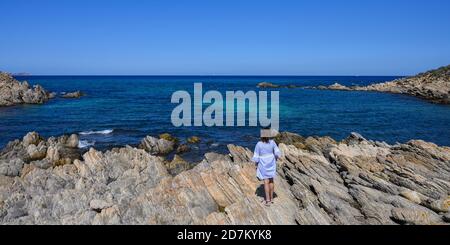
(264, 155)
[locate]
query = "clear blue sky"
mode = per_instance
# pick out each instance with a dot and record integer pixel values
(347, 37)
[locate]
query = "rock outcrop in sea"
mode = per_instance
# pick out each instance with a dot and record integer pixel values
(320, 181)
(273, 86)
(72, 95)
(433, 86)
(13, 92)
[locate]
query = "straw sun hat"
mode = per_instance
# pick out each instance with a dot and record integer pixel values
(269, 133)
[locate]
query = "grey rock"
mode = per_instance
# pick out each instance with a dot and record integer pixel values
(36, 152)
(11, 167)
(31, 138)
(447, 217)
(13, 92)
(157, 146)
(99, 205)
(73, 141)
(355, 181)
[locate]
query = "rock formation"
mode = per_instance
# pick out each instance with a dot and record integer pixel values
(18, 157)
(194, 140)
(72, 95)
(157, 146)
(272, 85)
(320, 181)
(13, 92)
(433, 86)
(357, 181)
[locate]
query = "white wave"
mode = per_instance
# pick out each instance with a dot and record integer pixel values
(84, 144)
(107, 131)
(215, 145)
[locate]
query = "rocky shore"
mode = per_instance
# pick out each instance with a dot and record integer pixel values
(13, 92)
(433, 86)
(320, 181)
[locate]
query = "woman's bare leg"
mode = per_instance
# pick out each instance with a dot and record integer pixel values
(272, 189)
(267, 189)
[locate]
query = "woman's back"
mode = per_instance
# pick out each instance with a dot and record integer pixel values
(267, 148)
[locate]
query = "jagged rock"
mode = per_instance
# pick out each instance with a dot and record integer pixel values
(177, 165)
(13, 92)
(415, 217)
(31, 138)
(169, 137)
(372, 176)
(43, 164)
(411, 196)
(11, 167)
(73, 141)
(98, 205)
(289, 138)
(53, 154)
(157, 146)
(442, 205)
(337, 86)
(36, 152)
(130, 186)
(355, 181)
(41, 153)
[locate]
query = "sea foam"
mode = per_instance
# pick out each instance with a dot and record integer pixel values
(84, 144)
(104, 132)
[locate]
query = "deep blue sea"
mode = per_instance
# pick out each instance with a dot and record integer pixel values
(127, 108)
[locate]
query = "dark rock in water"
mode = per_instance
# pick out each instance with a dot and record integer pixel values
(194, 140)
(268, 85)
(272, 85)
(183, 148)
(13, 92)
(169, 137)
(72, 95)
(355, 181)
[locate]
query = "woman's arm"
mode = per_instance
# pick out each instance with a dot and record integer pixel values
(276, 151)
(255, 157)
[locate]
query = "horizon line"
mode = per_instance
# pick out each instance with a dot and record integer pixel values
(197, 75)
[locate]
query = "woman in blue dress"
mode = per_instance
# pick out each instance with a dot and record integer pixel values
(266, 155)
